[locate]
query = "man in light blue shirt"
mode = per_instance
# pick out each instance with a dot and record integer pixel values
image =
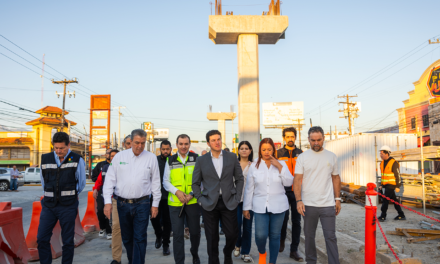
(14, 178)
(63, 177)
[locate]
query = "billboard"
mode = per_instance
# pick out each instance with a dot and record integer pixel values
(161, 133)
(282, 113)
(100, 106)
(433, 83)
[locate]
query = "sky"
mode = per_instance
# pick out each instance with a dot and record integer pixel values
(155, 58)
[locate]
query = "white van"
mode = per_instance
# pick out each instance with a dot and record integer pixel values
(32, 175)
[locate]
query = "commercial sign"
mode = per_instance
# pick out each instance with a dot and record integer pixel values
(282, 113)
(100, 114)
(433, 83)
(100, 107)
(161, 133)
(148, 127)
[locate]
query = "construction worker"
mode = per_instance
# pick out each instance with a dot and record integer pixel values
(390, 183)
(289, 153)
(177, 180)
(63, 177)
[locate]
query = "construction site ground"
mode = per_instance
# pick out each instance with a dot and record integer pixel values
(350, 226)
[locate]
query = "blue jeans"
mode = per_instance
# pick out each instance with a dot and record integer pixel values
(14, 183)
(48, 218)
(133, 219)
(268, 225)
(244, 241)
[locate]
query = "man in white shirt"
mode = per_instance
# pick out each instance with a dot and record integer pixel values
(317, 186)
(134, 175)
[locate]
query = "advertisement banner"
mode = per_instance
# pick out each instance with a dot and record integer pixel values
(282, 113)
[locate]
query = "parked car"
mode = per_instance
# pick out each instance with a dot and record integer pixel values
(5, 179)
(32, 175)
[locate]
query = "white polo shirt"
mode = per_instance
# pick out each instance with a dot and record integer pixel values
(133, 177)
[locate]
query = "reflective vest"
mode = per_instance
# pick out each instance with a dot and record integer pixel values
(289, 156)
(181, 177)
(387, 173)
(59, 182)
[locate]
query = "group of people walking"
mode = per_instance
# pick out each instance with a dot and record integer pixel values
(133, 186)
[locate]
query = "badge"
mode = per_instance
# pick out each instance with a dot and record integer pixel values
(191, 158)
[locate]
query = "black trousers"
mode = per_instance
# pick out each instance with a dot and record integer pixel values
(192, 214)
(104, 222)
(230, 228)
(390, 193)
(296, 223)
(162, 219)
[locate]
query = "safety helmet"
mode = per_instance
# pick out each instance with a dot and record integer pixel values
(386, 148)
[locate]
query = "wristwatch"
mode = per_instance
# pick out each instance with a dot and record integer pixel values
(338, 199)
(191, 193)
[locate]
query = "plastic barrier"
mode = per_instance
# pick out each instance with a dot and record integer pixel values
(12, 244)
(31, 238)
(90, 221)
(79, 232)
(370, 224)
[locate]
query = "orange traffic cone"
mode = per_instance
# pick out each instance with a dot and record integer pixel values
(90, 221)
(262, 259)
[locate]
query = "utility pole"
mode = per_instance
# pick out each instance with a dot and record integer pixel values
(299, 125)
(434, 42)
(65, 82)
(350, 111)
(119, 124)
(85, 148)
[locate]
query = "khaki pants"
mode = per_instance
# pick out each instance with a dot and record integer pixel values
(116, 233)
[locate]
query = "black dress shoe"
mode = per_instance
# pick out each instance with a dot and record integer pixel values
(282, 245)
(221, 232)
(158, 243)
(166, 250)
(296, 256)
(196, 261)
(400, 217)
(115, 262)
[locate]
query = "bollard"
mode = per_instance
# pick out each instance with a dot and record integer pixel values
(370, 224)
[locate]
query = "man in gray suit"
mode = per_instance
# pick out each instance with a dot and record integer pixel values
(222, 178)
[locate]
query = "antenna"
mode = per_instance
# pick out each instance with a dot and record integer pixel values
(210, 108)
(42, 83)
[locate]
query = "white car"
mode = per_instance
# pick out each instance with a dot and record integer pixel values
(32, 175)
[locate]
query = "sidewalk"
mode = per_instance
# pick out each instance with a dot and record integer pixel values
(97, 250)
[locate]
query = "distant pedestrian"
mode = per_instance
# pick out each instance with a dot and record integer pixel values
(204, 152)
(244, 241)
(132, 177)
(222, 178)
(97, 170)
(265, 195)
(162, 223)
(104, 222)
(127, 142)
(15, 174)
(390, 183)
(227, 149)
(317, 188)
(63, 177)
(178, 181)
(289, 153)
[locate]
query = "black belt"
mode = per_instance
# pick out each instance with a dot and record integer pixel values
(130, 201)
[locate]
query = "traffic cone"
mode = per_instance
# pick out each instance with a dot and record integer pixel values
(90, 221)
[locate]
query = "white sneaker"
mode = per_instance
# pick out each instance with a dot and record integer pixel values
(247, 258)
(236, 252)
(109, 236)
(102, 233)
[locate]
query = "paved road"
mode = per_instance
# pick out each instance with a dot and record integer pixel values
(97, 250)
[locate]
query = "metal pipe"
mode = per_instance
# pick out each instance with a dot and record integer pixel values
(431, 225)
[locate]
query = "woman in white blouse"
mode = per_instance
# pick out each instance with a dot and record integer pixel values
(244, 241)
(265, 196)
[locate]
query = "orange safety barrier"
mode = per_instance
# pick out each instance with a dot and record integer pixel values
(79, 232)
(90, 221)
(12, 244)
(31, 238)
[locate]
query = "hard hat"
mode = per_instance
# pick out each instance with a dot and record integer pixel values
(385, 148)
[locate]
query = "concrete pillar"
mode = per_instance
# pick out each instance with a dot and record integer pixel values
(248, 89)
(222, 129)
